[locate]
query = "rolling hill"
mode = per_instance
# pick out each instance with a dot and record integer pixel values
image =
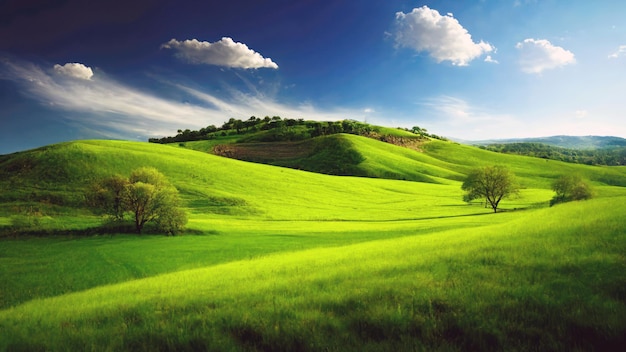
(277, 258)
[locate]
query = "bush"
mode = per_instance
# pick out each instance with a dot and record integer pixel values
(25, 223)
(569, 188)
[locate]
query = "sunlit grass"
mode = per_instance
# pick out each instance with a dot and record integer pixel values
(535, 282)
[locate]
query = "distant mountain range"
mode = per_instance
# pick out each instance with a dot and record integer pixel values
(569, 142)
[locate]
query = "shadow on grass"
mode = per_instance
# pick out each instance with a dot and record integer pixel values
(109, 229)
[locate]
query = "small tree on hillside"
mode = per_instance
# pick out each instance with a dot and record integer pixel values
(149, 196)
(107, 195)
(493, 183)
(146, 194)
(569, 188)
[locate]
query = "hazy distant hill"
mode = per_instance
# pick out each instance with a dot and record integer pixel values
(569, 142)
(591, 150)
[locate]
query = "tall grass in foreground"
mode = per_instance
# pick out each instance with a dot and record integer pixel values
(40, 267)
(554, 279)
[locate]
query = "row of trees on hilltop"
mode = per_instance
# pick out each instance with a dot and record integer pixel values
(231, 127)
(279, 129)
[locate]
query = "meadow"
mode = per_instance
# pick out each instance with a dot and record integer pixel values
(282, 259)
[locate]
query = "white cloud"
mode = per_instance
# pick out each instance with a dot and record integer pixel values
(581, 114)
(106, 103)
(491, 60)
(74, 70)
(620, 52)
(224, 52)
(538, 55)
(443, 37)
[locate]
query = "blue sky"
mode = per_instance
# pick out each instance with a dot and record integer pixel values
(469, 70)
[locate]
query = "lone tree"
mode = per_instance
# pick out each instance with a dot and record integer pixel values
(149, 196)
(490, 182)
(146, 194)
(569, 188)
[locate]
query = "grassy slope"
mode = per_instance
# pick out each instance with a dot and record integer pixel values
(217, 186)
(441, 161)
(251, 210)
(533, 172)
(246, 205)
(514, 286)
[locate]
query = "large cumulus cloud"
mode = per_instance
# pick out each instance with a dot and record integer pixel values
(442, 37)
(538, 55)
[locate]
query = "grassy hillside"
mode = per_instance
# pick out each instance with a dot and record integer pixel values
(283, 259)
(54, 176)
(433, 161)
(215, 185)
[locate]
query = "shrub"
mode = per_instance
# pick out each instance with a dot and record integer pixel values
(569, 188)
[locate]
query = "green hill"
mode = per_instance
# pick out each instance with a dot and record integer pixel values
(49, 182)
(277, 258)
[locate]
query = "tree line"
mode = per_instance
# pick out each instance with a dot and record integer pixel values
(606, 156)
(279, 129)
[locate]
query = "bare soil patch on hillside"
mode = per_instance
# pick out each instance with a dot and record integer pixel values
(265, 151)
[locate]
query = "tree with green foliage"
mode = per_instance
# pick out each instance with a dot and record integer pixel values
(107, 196)
(146, 194)
(493, 183)
(569, 188)
(238, 125)
(419, 130)
(149, 196)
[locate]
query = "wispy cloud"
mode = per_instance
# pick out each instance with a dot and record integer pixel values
(103, 102)
(581, 114)
(620, 52)
(225, 52)
(242, 104)
(462, 119)
(518, 3)
(491, 60)
(538, 55)
(443, 37)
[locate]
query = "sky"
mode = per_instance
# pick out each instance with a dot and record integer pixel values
(466, 70)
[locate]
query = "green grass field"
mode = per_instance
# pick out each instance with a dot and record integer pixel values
(282, 259)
